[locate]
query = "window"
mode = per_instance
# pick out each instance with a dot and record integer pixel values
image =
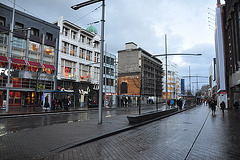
(65, 47)
(89, 55)
(18, 25)
(84, 72)
(82, 39)
(3, 39)
(19, 43)
(88, 41)
(124, 88)
(96, 44)
(82, 53)
(97, 57)
(17, 66)
(68, 69)
(48, 50)
(49, 36)
(65, 31)
(35, 32)
(73, 50)
(73, 35)
(2, 21)
(96, 73)
(34, 47)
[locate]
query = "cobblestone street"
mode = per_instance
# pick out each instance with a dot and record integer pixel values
(193, 134)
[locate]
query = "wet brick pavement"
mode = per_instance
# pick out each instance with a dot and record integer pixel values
(193, 134)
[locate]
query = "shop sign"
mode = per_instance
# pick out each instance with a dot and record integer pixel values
(4, 71)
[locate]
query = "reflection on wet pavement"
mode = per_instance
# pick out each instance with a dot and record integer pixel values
(15, 124)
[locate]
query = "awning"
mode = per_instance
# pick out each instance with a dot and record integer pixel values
(18, 61)
(49, 66)
(3, 59)
(34, 64)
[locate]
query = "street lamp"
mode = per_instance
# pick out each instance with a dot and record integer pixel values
(171, 54)
(76, 7)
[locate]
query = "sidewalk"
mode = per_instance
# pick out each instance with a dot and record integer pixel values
(39, 142)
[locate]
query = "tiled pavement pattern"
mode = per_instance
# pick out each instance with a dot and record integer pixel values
(39, 142)
(169, 138)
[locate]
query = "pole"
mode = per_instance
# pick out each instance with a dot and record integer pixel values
(101, 66)
(9, 57)
(166, 69)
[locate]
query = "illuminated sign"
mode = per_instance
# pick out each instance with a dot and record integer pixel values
(4, 71)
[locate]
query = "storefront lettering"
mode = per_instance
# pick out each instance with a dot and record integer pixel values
(5, 71)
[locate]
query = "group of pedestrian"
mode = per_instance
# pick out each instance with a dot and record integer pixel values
(213, 103)
(179, 103)
(57, 104)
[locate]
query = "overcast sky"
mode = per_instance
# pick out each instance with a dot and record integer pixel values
(144, 22)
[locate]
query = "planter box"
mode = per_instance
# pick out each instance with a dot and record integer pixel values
(149, 116)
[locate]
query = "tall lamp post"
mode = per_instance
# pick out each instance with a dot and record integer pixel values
(172, 54)
(76, 7)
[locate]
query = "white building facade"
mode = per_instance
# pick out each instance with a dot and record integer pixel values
(78, 62)
(174, 82)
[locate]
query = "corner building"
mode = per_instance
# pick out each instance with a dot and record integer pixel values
(33, 57)
(139, 76)
(79, 63)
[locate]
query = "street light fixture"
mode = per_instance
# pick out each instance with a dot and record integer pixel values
(76, 7)
(171, 54)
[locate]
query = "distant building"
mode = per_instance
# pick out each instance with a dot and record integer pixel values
(182, 86)
(174, 84)
(139, 74)
(109, 78)
(33, 58)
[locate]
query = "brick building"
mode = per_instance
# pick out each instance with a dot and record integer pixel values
(139, 75)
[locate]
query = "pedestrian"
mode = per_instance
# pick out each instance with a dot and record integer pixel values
(46, 103)
(222, 106)
(60, 103)
(168, 102)
(65, 102)
(180, 104)
(213, 106)
(236, 105)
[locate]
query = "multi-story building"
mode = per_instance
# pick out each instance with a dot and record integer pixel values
(33, 58)
(174, 83)
(109, 78)
(139, 75)
(79, 62)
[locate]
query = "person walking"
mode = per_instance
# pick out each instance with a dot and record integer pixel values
(236, 105)
(222, 106)
(213, 106)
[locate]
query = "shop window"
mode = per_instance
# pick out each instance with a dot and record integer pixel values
(16, 82)
(3, 64)
(48, 71)
(32, 69)
(34, 47)
(17, 66)
(124, 88)
(48, 50)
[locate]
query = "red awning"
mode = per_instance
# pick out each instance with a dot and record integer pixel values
(49, 66)
(3, 59)
(34, 64)
(18, 61)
